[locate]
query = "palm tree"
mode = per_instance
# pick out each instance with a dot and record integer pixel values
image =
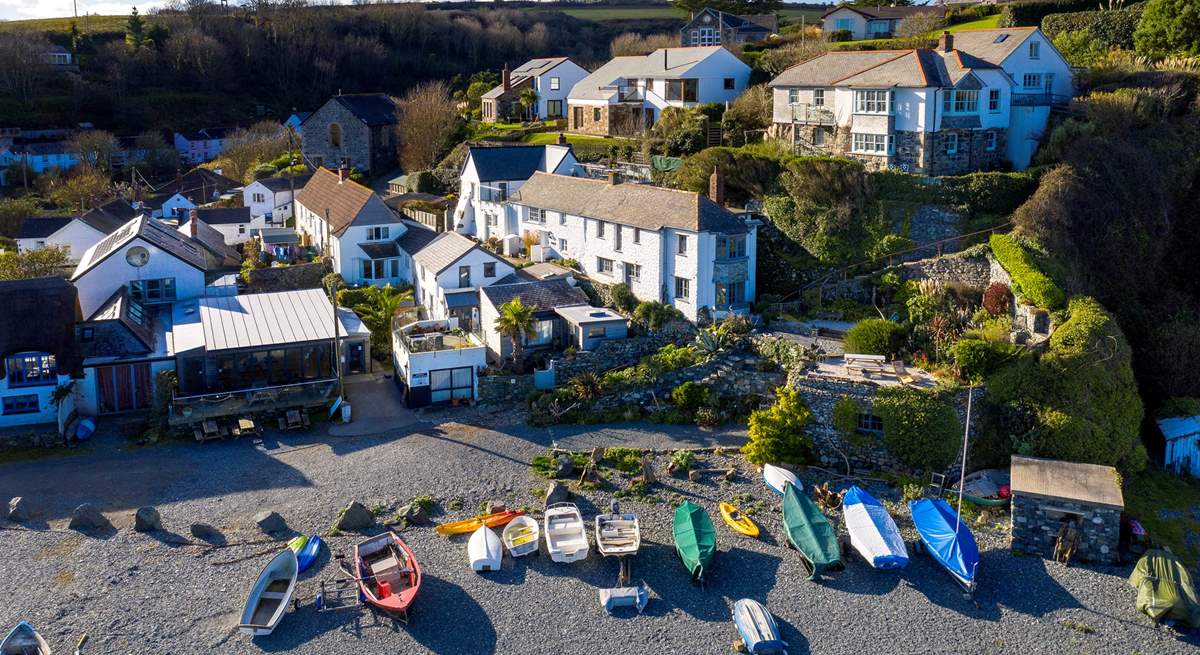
(528, 100)
(378, 312)
(515, 322)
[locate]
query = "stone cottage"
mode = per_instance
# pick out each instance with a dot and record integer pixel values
(356, 128)
(1047, 494)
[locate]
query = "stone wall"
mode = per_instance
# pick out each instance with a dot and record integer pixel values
(1036, 521)
(614, 120)
(43, 435)
(505, 389)
(287, 278)
(356, 137)
(971, 155)
(976, 271)
(608, 355)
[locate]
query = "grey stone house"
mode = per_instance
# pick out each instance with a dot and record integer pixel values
(359, 129)
(713, 27)
(1048, 494)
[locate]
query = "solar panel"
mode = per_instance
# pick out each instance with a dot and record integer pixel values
(114, 240)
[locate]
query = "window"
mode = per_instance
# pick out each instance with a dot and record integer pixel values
(1035, 50)
(683, 288)
(554, 109)
(685, 90)
(845, 24)
(732, 293)
(87, 334)
(818, 97)
(793, 96)
(464, 277)
(451, 384)
(394, 265)
(637, 235)
(873, 102)
(562, 218)
(377, 233)
(554, 83)
(152, 291)
(869, 423)
(20, 404)
(633, 272)
(258, 197)
(595, 332)
(31, 369)
(543, 333)
(818, 137)
(335, 135)
(617, 238)
(994, 100)
(682, 249)
(729, 247)
(729, 84)
(704, 36)
(1032, 81)
(596, 115)
(241, 229)
(872, 144)
(600, 229)
(604, 266)
(489, 269)
(951, 144)
(577, 117)
(562, 246)
(537, 215)
(991, 141)
(960, 102)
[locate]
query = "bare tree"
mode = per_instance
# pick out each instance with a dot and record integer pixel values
(245, 149)
(80, 189)
(427, 122)
(153, 153)
(23, 63)
(920, 26)
(631, 43)
(95, 147)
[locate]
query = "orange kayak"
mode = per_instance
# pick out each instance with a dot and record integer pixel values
(472, 524)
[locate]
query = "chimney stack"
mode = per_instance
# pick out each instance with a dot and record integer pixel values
(946, 42)
(562, 139)
(716, 186)
(614, 177)
(505, 78)
(665, 51)
(194, 215)
(343, 172)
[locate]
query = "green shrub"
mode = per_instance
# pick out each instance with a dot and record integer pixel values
(1030, 13)
(845, 415)
(1169, 28)
(977, 359)
(920, 430)
(889, 244)
(777, 434)
(623, 298)
(874, 336)
(707, 417)
(683, 460)
(1027, 279)
(1181, 406)
(747, 174)
(654, 315)
(691, 396)
(1107, 30)
(651, 367)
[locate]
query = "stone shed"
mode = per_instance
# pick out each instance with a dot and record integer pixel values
(1047, 493)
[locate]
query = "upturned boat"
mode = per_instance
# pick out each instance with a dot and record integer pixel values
(757, 628)
(695, 539)
(484, 550)
(873, 532)
(810, 533)
(779, 478)
(947, 539)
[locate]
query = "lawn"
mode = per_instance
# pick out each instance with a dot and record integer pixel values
(654, 12)
(542, 138)
(987, 23)
(1169, 508)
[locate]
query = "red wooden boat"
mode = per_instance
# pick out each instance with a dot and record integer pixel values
(388, 574)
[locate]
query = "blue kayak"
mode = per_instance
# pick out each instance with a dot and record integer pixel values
(948, 540)
(757, 628)
(308, 554)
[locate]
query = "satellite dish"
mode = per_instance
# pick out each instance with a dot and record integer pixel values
(137, 256)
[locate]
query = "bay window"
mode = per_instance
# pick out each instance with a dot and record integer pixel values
(873, 101)
(871, 144)
(956, 101)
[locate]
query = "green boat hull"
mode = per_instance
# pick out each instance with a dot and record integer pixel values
(695, 539)
(809, 532)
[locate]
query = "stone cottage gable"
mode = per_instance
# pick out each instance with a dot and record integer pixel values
(356, 129)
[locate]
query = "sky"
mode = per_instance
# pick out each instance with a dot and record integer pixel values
(19, 9)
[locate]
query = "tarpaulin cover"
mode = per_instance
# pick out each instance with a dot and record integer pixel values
(957, 552)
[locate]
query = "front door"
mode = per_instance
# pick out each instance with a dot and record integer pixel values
(123, 388)
(356, 357)
(577, 118)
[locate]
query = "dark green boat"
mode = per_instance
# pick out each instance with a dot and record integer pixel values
(695, 539)
(810, 533)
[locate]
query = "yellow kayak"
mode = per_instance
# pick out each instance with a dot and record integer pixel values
(472, 524)
(740, 523)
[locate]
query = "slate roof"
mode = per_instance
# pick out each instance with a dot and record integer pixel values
(1049, 478)
(495, 163)
(279, 184)
(639, 205)
(42, 148)
(152, 231)
(542, 295)
(765, 23)
(207, 134)
(374, 109)
(220, 254)
(664, 63)
(39, 315)
(224, 215)
(526, 71)
(416, 237)
(110, 216)
(444, 250)
(40, 227)
(197, 185)
(132, 315)
(344, 203)
(380, 249)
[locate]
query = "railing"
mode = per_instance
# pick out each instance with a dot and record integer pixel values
(1040, 100)
(803, 112)
(261, 400)
(630, 94)
(432, 336)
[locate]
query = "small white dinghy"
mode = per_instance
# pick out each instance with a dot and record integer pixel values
(269, 597)
(24, 640)
(618, 533)
(777, 478)
(484, 550)
(757, 628)
(566, 535)
(520, 536)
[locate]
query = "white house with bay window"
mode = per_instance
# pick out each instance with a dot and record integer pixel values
(490, 174)
(980, 99)
(677, 247)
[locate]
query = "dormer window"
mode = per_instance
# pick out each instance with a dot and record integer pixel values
(379, 233)
(31, 369)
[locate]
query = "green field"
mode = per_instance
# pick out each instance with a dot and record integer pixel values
(990, 22)
(652, 12)
(86, 24)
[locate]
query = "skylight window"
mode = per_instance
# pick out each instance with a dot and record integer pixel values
(1001, 38)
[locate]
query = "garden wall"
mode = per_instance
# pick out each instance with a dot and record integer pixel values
(505, 389)
(609, 355)
(30, 436)
(973, 270)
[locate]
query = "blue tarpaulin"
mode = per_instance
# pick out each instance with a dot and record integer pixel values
(956, 552)
(873, 533)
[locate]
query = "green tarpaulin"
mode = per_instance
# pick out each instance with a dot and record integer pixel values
(1165, 590)
(810, 533)
(695, 538)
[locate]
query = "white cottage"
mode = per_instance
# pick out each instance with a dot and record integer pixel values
(551, 78)
(74, 233)
(490, 174)
(38, 350)
(272, 197)
(447, 274)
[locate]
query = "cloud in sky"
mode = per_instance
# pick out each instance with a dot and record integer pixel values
(21, 9)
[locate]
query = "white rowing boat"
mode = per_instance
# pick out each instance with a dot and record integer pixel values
(269, 597)
(566, 536)
(521, 536)
(484, 550)
(618, 533)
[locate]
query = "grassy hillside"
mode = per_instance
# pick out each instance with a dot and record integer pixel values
(87, 24)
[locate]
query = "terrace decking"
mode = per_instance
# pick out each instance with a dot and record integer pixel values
(266, 401)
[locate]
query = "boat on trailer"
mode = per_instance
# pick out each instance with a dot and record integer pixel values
(24, 640)
(618, 534)
(268, 599)
(389, 576)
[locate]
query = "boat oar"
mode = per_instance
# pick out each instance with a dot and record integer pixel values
(80, 643)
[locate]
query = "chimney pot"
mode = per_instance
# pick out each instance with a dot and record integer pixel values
(194, 216)
(614, 177)
(343, 173)
(946, 42)
(716, 186)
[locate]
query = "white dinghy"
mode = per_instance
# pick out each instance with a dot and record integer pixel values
(484, 550)
(777, 478)
(24, 640)
(566, 535)
(618, 533)
(269, 597)
(521, 536)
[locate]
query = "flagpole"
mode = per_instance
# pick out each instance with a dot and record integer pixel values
(962, 472)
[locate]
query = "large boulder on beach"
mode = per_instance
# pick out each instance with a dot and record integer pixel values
(414, 514)
(87, 517)
(206, 532)
(564, 466)
(147, 519)
(557, 493)
(355, 517)
(20, 509)
(270, 522)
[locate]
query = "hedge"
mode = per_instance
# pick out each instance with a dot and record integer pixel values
(1027, 279)
(920, 430)
(1109, 29)
(980, 193)
(977, 359)
(874, 336)
(1031, 12)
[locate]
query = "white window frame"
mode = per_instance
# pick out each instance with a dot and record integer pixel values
(818, 97)
(633, 271)
(871, 144)
(537, 215)
(1035, 49)
(681, 245)
(844, 24)
(378, 233)
(793, 96)
(876, 102)
(555, 83)
(994, 101)
(1035, 78)
(960, 101)
(684, 284)
(605, 266)
(992, 141)
(952, 143)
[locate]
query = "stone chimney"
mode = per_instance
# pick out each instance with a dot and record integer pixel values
(505, 78)
(946, 42)
(716, 186)
(194, 220)
(343, 172)
(614, 177)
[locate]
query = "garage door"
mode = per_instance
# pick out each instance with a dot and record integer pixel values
(123, 388)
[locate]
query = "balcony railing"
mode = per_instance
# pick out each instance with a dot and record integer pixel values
(246, 402)
(803, 112)
(433, 336)
(1040, 100)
